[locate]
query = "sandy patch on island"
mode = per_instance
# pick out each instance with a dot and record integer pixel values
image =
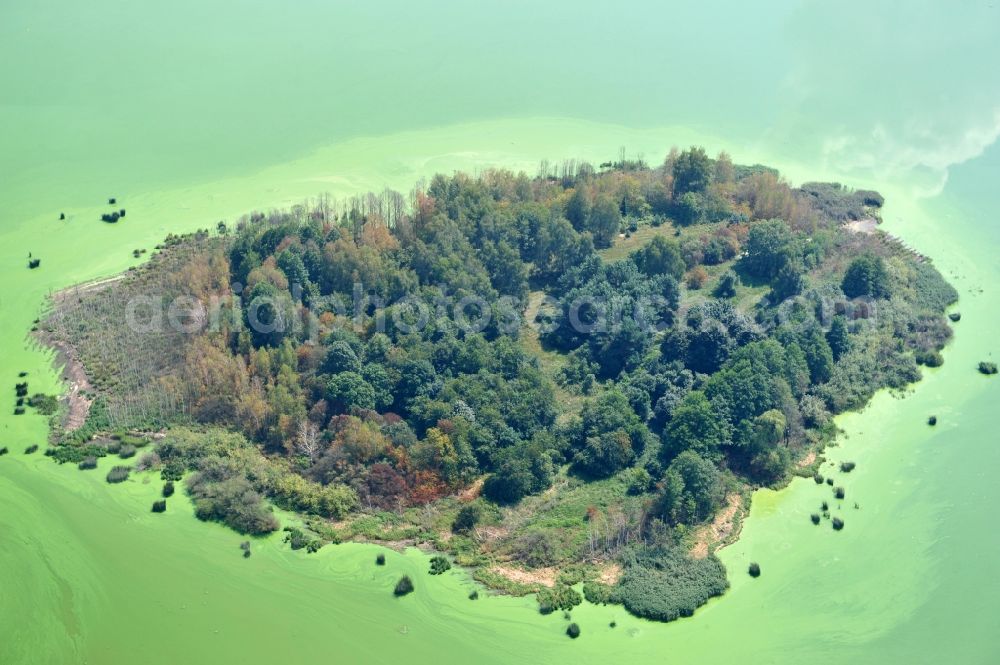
(544, 576)
(719, 530)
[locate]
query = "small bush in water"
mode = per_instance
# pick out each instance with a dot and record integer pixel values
(118, 474)
(573, 630)
(403, 586)
(754, 569)
(159, 506)
(168, 489)
(838, 524)
(87, 463)
(380, 560)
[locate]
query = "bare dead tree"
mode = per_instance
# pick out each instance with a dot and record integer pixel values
(307, 441)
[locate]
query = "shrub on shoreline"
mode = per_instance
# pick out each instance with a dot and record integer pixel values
(929, 358)
(299, 539)
(559, 597)
(439, 565)
(664, 584)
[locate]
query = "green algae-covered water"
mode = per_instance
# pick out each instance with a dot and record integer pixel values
(192, 112)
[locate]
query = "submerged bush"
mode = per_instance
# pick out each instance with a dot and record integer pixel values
(118, 474)
(87, 463)
(380, 560)
(403, 586)
(829, 481)
(439, 564)
(987, 368)
(754, 569)
(159, 506)
(932, 421)
(818, 479)
(245, 546)
(168, 489)
(474, 595)
(33, 448)
(573, 630)
(825, 506)
(847, 467)
(955, 316)
(4, 451)
(838, 524)
(838, 492)
(815, 518)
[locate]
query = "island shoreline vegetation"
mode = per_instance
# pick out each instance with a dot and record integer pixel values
(551, 444)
